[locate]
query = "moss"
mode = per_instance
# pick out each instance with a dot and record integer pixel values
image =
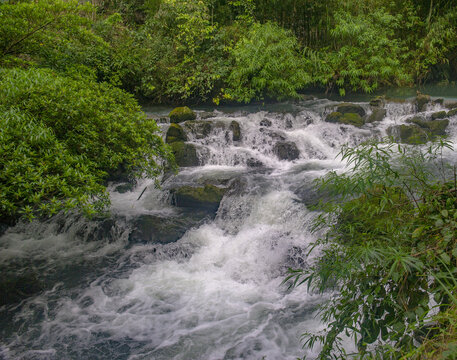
(345, 108)
(452, 112)
(175, 133)
(181, 114)
(333, 117)
(185, 154)
(203, 198)
(412, 134)
(435, 127)
(352, 119)
(421, 101)
(378, 114)
(439, 115)
(378, 101)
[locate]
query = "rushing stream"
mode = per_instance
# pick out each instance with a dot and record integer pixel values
(111, 291)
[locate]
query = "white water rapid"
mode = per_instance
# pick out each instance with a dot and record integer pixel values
(215, 290)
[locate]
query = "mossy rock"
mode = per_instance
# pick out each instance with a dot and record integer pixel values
(181, 114)
(378, 114)
(347, 118)
(205, 198)
(286, 150)
(439, 115)
(378, 101)
(421, 101)
(436, 127)
(439, 101)
(175, 133)
(451, 105)
(236, 130)
(346, 108)
(452, 112)
(123, 188)
(200, 129)
(409, 134)
(185, 154)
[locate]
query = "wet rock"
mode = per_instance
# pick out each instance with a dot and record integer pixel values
(175, 133)
(266, 123)
(378, 101)
(378, 114)
(346, 108)
(435, 127)
(439, 115)
(236, 130)
(452, 112)
(200, 129)
(206, 115)
(421, 101)
(164, 230)
(205, 198)
(451, 105)
(439, 101)
(163, 120)
(181, 114)
(347, 118)
(254, 163)
(289, 124)
(185, 154)
(286, 150)
(15, 288)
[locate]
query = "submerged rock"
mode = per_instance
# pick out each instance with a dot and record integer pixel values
(421, 101)
(185, 154)
(346, 108)
(236, 130)
(347, 118)
(205, 198)
(286, 150)
(378, 114)
(175, 133)
(181, 114)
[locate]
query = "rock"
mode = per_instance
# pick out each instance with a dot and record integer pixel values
(378, 101)
(345, 108)
(175, 133)
(14, 288)
(452, 112)
(181, 114)
(439, 101)
(289, 124)
(205, 198)
(421, 101)
(185, 154)
(123, 188)
(236, 130)
(451, 105)
(435, 127)
(272, 134)
(254, 163)
(408, 134)
(347, 118)
(286, 150)
(304, 97)
(265, 122)
(200, 129)
(206, 115)
(439, 115)
(163, 120)
(156, 229)
(378, 114)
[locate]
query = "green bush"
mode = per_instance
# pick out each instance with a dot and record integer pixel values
(103, 124)
(38, 174)
(266, 63)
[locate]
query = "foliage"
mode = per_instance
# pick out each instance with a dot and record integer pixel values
(99, 122)
(39, 175)
(389, 252)
(266, 63)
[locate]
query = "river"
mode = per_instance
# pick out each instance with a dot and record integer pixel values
(216, 292)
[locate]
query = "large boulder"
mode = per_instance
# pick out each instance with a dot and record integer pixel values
(200, 129)
(347, 118)
(346, 108)
(452, 112)
(439, 115)
(420, 131)
(236, 130)
(175, 133)
(451, 105)
(181, 114)
(421, 101)
(378, 114)
(185, 154)
(434, 127)
(286, 150)
(205, 198)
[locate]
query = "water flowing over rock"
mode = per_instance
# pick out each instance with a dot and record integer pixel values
(175, 133)
(286, 150)
(185, 154)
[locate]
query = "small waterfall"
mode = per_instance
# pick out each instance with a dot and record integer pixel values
(155, 281)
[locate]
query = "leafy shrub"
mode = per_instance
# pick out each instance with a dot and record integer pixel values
(103, 124)
(389, 251)
(38, 174)
(266, 62)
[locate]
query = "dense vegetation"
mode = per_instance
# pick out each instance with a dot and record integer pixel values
(390, 251)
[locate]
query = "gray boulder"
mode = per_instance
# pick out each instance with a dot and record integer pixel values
(286, 150)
